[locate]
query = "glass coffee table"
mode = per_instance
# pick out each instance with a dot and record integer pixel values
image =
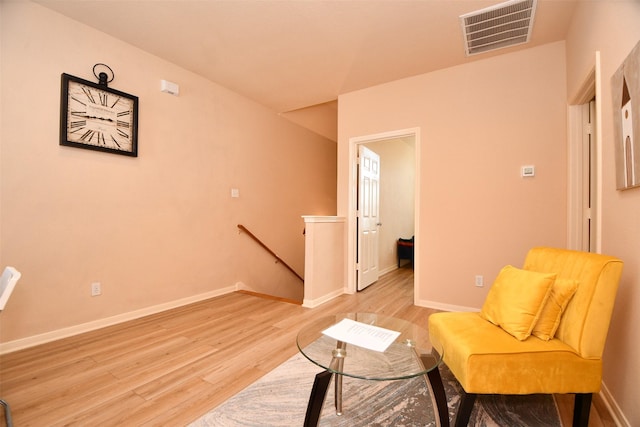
(409, 355)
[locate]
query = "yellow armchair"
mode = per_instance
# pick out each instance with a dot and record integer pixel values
(549, 345)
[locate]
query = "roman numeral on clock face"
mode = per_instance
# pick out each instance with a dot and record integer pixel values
(115, 141)
(88, 135)
(89, 95)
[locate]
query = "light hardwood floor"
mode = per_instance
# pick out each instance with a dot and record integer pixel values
(170, 368)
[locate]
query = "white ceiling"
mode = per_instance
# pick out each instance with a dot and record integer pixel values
(293, 54)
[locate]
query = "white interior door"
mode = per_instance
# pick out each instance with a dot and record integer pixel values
(368, 216)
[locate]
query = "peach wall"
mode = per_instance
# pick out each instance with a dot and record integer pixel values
(612, 29)
(479, 123)
(155, 229)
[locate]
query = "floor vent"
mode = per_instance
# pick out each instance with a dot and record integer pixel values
(499, 26)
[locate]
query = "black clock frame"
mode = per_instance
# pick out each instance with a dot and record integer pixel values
(64, 106)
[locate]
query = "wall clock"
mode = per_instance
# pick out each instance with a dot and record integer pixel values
(97, 117)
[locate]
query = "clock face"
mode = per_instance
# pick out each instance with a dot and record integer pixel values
(97, 117)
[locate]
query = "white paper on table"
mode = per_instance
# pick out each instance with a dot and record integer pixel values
(362, 334)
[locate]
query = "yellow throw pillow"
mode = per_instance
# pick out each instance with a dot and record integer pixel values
(561, 293)
(516, 299)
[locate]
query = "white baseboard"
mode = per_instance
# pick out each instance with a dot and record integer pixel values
(614, 410)
(22, 343)
(444, 307)
(389, 269)
(313, 303)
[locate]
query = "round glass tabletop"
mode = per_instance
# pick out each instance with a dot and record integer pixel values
(409, 355)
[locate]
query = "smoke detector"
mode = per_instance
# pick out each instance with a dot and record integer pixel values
(496, 27)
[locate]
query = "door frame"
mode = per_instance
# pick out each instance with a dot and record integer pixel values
(352, 230)
(590, 88)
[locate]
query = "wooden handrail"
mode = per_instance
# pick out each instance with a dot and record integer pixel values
(278, 259)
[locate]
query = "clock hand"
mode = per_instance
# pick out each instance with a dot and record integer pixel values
(93, 117)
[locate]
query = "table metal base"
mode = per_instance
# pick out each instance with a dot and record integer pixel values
(321, 383)
(7, 413)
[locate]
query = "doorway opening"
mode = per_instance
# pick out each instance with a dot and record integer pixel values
(399, 203)
(585, 165)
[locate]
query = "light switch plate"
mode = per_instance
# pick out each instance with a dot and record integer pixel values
(528, 171)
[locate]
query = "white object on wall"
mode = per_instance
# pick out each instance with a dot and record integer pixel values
(10, 277)
(169, 87)
(528, 171)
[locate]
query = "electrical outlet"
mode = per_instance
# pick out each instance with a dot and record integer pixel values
(96, 289)
(479, 281)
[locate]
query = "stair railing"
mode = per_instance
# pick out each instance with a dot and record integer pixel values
(278, 259)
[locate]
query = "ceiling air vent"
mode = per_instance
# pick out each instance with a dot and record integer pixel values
(499, 26)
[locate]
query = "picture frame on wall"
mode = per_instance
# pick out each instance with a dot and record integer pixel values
(625, 88)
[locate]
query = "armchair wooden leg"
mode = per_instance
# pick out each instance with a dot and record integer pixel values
(464, 410)
(581, 408)
(439, 397)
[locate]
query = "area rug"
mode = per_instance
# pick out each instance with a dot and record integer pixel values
(280, 399)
